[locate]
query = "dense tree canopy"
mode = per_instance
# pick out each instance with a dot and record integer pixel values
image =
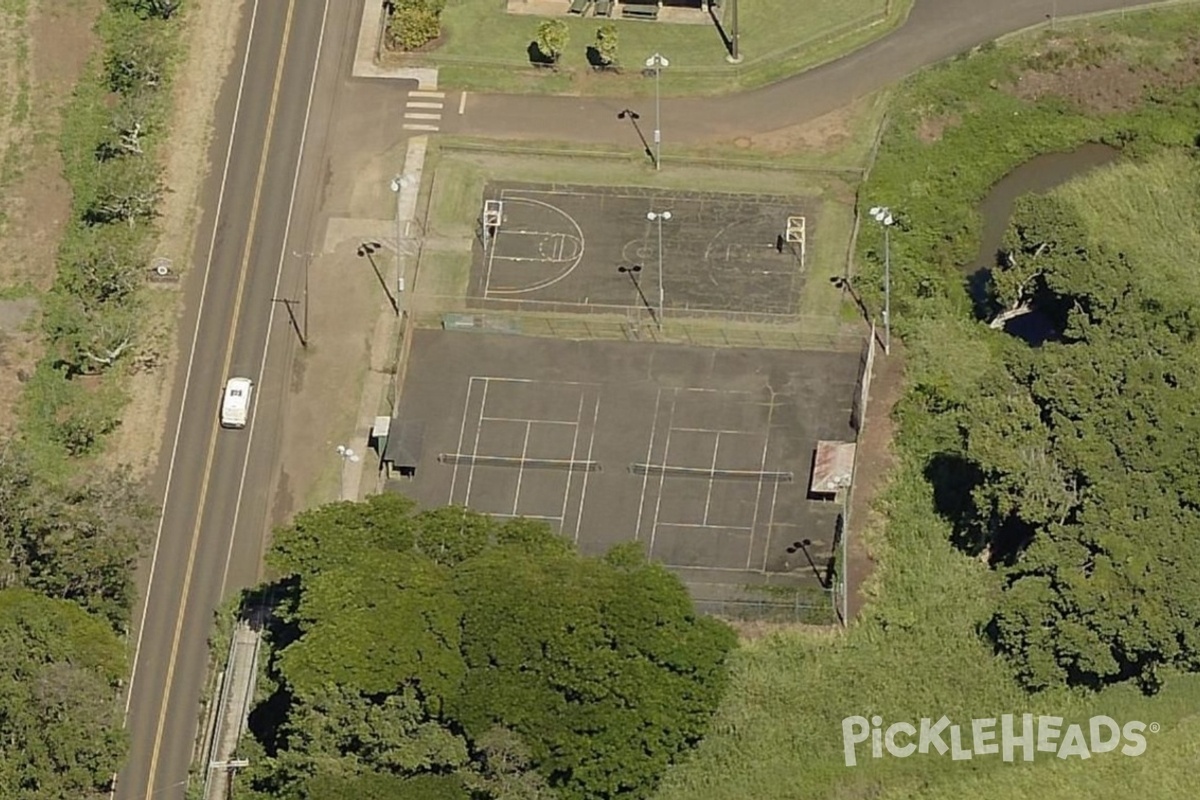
(59, 672)
(457, 656)
(1088, 452)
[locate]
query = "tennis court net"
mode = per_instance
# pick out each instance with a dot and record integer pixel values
(475, 460)
(768, 476)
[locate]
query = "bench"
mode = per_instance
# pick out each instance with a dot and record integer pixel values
(604, 8)
(639, 12)
(579, 7)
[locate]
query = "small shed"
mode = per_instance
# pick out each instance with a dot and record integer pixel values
(833, 469)
(401, 446)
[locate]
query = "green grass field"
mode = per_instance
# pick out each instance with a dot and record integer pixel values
(485, 48)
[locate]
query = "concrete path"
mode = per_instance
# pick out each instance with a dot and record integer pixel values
(935, 30)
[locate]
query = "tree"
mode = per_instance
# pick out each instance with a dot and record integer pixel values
(78, 542)
(606, 45)
(414, 23)
(103, 265)
(136, 58)
(1090, 464)
(553, 35)
(60, 668)
(148, 9)
(442, 642)
(127, 190)
(607, 673)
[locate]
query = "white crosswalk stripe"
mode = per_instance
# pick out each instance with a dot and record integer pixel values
(422, 110)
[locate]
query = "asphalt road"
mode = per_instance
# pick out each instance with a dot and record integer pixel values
(275, 107)
(215, 510)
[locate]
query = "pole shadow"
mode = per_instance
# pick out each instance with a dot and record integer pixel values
(726, 39)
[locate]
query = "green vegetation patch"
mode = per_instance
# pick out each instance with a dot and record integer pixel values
(486, 48)
(1065, 470)
(445, 650)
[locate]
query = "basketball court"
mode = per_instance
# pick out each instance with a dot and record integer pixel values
(703, 455)
(619, 248)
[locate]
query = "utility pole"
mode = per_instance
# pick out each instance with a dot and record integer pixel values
(883, 215)
(657, 63)
(307, 261)
(735, 56)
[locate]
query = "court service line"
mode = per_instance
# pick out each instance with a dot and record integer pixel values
(189, 570)
(571, 472)
(706, 526)
(546, 517)
(762, 466)
(770, 525)
(499, 379)
(521, 468)
(262, 364)
(583, 493)
(637, 531)
(712, 430)
(711, 478)
(534, 421)
(212, 244)
(461, 435)
(489, 252)
(475, 447)
(662, 476)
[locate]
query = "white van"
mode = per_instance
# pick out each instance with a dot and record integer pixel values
(235, 403)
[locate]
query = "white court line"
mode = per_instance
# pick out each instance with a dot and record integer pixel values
(490, 256)
(711, 478)
(521, 468)
(571, 472)
(637, 532)
(475, 447)
(705, 526)
(534, 421)
(583, 494)
(425, 93)
(416, 115)
(495, 379)
(711, 569)
(762, 466)
(462, 103)
(662, 476)
(411, 104)
(770, 525)
(415, 127)
(546, 517)
(461, 433)
(711, 430)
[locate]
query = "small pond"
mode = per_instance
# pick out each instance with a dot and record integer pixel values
(1038, 175)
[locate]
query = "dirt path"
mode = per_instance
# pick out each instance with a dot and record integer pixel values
(43, 50)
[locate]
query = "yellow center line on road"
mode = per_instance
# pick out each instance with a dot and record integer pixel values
(212, 441)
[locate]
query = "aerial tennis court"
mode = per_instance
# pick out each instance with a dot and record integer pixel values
(703, 455)
(549, 246)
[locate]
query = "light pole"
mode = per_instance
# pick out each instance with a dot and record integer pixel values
(659, 217)
(883, 215)
(348, 456)
(657, 63)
